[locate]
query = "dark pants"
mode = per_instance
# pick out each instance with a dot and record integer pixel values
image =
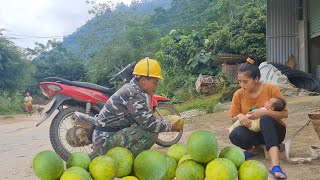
(136, 139)
(272, 134)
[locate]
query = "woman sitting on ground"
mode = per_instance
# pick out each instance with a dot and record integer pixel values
(273, 129)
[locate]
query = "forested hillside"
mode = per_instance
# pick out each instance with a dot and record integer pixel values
(102, 29)
(184, 35)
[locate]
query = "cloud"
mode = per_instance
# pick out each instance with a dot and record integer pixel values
(43, 18)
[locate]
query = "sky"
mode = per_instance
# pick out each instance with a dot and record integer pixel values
(32, 21)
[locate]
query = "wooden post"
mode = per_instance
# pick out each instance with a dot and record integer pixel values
(231, 71)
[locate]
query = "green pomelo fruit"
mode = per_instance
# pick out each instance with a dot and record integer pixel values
(75, 172)
(47, 165)
(190, 170)
(202, 146)
(79, 159)
(150, 164)
(176, 118)
(171, 168)
(176, 151)
(124, 158)
(183, 158)
(129, 178)
(221, 168)
(253, 169)
(181, 124)
(234, 154)
(103, 168)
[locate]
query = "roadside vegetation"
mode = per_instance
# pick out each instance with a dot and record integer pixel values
(204, 103)
(11, 103)
(186, 38)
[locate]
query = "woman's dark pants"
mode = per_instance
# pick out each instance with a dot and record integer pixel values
(272, 134)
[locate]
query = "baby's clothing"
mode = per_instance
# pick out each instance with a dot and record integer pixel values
(255, 124)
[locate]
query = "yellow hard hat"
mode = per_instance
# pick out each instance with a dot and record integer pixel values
(148, 67)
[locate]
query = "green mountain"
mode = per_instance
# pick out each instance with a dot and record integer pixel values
(185, 36)
(101, 30)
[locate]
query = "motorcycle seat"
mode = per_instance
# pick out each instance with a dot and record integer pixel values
(108, 91)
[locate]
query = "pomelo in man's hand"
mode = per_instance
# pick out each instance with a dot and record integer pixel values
(233, 153)
(75, 172)
(253, 169)
(124, 158)
(47, 165)
(177, 118)
(79, 159)
(202, 145)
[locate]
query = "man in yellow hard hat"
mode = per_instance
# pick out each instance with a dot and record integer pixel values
(126, 120)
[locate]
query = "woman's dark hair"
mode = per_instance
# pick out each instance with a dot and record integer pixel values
(250, 67)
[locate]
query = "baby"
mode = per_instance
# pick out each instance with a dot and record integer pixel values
(274, 104)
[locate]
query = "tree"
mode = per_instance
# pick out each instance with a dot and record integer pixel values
(15, 70)
(60, 63)
(108, 62)
(143, 37)
(183, 14)
(110, 23)
(245, 34)
(40, 48)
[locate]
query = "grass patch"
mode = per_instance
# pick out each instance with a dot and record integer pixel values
(206, 103)
(8, 117)
(11, 103)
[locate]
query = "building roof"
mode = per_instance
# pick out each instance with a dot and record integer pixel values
(229, 59)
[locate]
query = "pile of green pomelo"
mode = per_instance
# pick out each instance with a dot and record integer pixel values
(197, 160)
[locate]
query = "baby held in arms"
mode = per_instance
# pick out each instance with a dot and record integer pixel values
(273, 104)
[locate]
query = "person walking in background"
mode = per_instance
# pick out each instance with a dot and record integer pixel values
(28, 103)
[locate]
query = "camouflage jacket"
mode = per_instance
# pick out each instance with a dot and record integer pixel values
(127, 107)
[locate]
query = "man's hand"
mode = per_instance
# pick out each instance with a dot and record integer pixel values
(175, 126)
(176, 123)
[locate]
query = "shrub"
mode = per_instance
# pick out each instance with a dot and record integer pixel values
(11, 103)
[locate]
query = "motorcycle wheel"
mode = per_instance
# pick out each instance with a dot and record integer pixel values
(62, 122)
(165, 112)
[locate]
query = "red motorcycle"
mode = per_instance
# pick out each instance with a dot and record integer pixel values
(68, 97)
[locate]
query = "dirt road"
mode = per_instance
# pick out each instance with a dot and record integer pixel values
(21, 140)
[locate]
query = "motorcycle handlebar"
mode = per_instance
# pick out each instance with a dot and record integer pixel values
(125, 74)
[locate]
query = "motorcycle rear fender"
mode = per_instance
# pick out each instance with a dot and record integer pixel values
(57, 102)
(156, 99)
